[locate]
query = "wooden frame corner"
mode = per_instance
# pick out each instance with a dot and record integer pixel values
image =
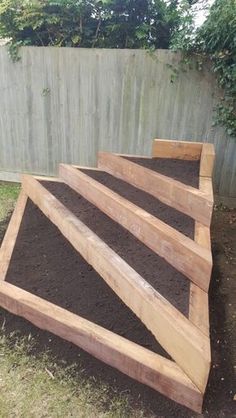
(207, 160)
(193, 202)
(137, 362)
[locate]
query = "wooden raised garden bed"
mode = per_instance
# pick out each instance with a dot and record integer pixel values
(117, 260)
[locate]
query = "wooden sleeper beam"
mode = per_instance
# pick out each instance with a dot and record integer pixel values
(207, 160)
(48, 178)
(180, 251)
(198, 299)
(188, 346)
(137, 362)
(182, 150)
(9, 240)
(198, 303)
(186, 199)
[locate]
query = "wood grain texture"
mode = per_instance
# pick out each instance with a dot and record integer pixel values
(135, 361)
(207, 160)
(182, 340)
(47, 178)
(182, 150)
(186, 199)
(9, 240)
(199, 308)
(180, 251)
(205, 184)
(198, 302)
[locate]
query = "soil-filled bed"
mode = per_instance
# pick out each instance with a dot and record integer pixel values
(221, 387)
(182, 170)
(165, 213)
(160, 274)
(45, 264)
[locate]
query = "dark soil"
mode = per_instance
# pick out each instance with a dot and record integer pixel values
(161, 275)
(185, 171)
(221, 387)
(56, 272)
(171, 216)
(222, 383)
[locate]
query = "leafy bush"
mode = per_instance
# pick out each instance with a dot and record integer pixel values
(215, 39)
(84, 23)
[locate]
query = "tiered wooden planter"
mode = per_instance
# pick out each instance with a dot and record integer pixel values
(184, 378)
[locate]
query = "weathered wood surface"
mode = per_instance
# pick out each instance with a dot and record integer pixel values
(48, 178)
(188, 346)
(9, 239)
(182, 197)
(198, 303)
(64, 104)
(183, 150)
(180, 251)
(207, 160)
(135, 361)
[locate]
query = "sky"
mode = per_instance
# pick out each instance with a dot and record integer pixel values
(201, 14)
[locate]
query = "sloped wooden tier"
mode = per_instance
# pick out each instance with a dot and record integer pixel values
(185, 339)
(193, 202)
(180, 251)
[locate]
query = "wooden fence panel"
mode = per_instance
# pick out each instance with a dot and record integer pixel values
(64, 104)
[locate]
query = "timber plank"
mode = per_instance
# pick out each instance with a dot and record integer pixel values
(183, 150)
(9, 240)
(180, 251)
(207, 160)
(137, 362)
(198, 302)
(48, 178)
(186, 199)
(182, 340)
(81, 167)
(199, 308)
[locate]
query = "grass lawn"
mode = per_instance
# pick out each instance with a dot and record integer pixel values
(8, 196)
(36, 385)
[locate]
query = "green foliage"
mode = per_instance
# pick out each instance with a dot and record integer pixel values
(215, 39)
(8, 195)
(36, 384)
(84, 23)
